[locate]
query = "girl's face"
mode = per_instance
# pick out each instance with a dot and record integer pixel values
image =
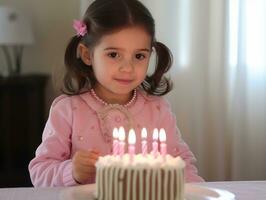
(120, 62)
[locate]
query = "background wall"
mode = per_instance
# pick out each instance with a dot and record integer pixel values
(52, 27)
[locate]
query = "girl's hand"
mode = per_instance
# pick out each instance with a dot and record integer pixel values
(84, 165)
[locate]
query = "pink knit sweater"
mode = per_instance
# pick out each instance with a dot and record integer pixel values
(81, 122)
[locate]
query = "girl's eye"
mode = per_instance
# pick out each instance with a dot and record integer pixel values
(113, 55)
(140, 56)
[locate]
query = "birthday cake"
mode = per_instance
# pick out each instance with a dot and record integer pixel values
(144, 178)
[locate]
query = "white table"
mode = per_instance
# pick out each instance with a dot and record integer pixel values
(243, 190)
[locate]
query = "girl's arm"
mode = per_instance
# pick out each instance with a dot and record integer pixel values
(175, 144)
(52, 165)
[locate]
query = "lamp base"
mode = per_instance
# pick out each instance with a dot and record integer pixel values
(13, 56)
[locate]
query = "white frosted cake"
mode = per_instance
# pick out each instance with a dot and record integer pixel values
(143, 178)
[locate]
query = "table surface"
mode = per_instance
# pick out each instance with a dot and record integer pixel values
(243, 190)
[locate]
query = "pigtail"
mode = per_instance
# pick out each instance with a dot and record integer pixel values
(157, 83)
(76, 70)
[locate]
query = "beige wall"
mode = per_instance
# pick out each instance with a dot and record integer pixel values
(52, 26)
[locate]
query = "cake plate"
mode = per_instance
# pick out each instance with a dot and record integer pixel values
(192, 192)
(196, 192)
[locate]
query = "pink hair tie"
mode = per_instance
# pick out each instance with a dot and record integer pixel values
(80, 27)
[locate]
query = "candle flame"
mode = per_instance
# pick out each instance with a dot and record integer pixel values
(144, 133)
(162, 135)
(115, 133)
(131, 137)
(121, 133)
(155, 135)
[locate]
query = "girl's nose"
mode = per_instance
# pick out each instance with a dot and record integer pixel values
(127, 66)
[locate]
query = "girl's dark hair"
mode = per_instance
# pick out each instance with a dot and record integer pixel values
(104, 17)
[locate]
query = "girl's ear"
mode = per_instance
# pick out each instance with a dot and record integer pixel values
(84, 54)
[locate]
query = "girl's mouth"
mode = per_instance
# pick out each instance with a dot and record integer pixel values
(124, 81)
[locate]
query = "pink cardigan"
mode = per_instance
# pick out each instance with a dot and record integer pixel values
(81, 122)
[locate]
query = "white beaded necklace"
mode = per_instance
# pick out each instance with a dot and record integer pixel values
(106, 104)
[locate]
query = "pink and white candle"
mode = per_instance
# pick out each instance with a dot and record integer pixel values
(115, 142)
(121, 138)
(131, 144)
(155, 142)
(163, 147)
(144, 146)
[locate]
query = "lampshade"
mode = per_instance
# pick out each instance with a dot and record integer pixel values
(15, 28)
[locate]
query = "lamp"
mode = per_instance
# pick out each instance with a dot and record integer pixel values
(15, 33)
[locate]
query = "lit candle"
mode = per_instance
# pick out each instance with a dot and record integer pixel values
(144, 141)
(121, 138)
(115, 142)
(155, 142)
(163, 148)
(131, 144)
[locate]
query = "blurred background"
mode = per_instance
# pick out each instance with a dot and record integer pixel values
(219, 75)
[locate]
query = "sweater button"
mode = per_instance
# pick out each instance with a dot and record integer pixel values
(81, 138)
(175, 150)
(118, 118)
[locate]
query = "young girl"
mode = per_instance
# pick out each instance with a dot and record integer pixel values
(106, 85)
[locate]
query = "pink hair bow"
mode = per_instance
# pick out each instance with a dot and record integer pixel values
(80, 27)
